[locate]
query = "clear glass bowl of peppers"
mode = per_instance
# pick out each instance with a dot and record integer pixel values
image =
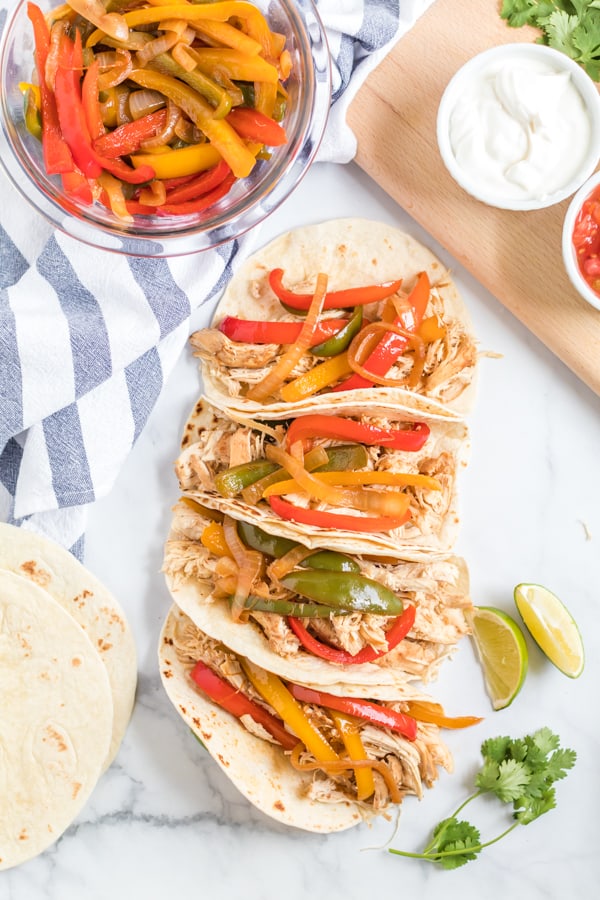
(159, 128)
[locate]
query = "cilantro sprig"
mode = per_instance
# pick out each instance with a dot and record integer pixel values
(518, 771)
(571, 26)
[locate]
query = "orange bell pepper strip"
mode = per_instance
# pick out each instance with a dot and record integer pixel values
(252, 125)
(213, 538)
(434, 713)
(290, 486)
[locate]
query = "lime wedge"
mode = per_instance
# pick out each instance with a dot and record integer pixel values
(552, 627)
(502, 652)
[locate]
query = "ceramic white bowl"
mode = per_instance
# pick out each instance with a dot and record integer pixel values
(568, 248)
(509, 54)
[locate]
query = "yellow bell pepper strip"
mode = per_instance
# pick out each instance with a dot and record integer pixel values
(272, 689)
(317, 378)
(228, 36)
(276, 377)
(289, 486)
(32, 108)
(183, 161)
(255, 23)
(230, 698)
(350, 734)
(116, 198)
(388, 503)
(221, 135)
(213, 538)
(434, 713)
(265, 97)
(237, 66)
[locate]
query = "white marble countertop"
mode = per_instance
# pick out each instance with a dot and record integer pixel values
(165, 822)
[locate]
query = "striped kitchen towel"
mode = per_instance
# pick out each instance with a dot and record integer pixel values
(88, 338)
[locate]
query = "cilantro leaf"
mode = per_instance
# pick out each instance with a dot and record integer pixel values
(569, 26)
(520, 771)
(459, 839)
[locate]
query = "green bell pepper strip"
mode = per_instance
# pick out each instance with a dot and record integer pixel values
(220, 134)
(330, 561)
(268, 544)
(233, 481)
(345, 590)
(340, 341)
(294, 608)
(206, 86)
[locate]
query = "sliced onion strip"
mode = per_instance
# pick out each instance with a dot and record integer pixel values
(168, 132)
(250, 564)
(362, 345)
(118, 72)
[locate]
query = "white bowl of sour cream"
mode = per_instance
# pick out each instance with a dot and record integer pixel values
(518, 126)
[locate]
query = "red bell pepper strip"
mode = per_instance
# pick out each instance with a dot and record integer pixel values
(199, 204)
(71, 116)
(253, 125)
(334, 299)
(250, 331)
(383, 716)
(409, 438)
(77, 186)
(340, 521)
(236, 703)
(126, 173)
(128, 138)
(200, 184)
(57, 156)
(391, 346)
(398, 631)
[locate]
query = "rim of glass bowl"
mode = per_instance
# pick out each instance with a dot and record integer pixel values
(254, 198)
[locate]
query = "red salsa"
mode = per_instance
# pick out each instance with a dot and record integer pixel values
(586, 240)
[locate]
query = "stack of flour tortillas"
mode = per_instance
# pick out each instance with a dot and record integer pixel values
(68, 675)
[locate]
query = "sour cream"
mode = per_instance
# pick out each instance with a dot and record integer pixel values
(520, 128)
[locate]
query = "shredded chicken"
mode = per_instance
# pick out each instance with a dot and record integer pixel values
(212, 344)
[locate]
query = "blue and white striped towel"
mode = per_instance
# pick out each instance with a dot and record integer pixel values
(86, 338)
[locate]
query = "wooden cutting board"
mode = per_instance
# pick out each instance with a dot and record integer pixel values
(515, 255)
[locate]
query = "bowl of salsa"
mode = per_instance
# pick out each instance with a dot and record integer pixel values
(581, 241)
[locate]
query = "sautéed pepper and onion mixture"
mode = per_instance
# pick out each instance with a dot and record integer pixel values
(154, 107)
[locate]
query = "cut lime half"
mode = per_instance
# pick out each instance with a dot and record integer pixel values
(552, 627)
(502, 652)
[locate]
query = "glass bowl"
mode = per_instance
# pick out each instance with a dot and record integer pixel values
(249, 201)
(513, 61)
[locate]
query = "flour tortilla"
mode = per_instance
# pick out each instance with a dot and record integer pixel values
(258, 768)
(89, 603)
(439, 589)
(412, 541)
(352, 252)
(56, 720)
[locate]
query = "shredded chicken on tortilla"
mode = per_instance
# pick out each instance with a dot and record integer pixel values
(413, 764)
(435, 589)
